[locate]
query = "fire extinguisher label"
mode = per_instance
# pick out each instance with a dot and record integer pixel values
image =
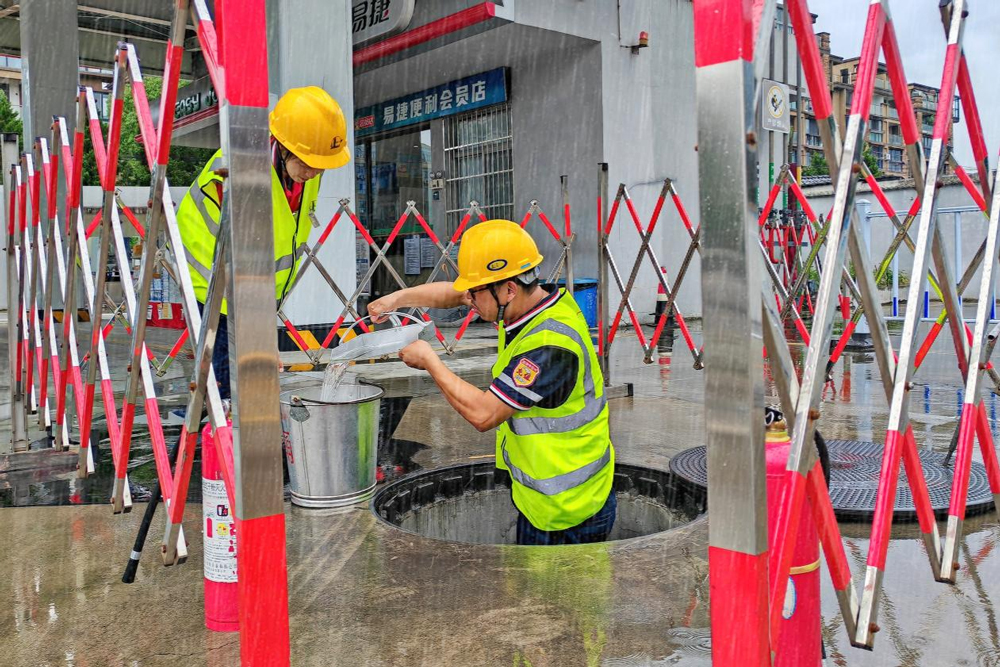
(791, 600)
(219, 532)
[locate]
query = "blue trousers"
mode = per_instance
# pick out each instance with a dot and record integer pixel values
(595, 529)
(220, 354)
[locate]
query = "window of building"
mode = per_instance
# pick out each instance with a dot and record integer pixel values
(875, 137)
(479, 164)
(10, 62)
(895, 155)
(389, 172)
(927, 141)
(812, 133)
(102, 102)
(845, 76)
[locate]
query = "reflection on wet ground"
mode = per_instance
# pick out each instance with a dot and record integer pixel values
(364, 593)
(46, 478)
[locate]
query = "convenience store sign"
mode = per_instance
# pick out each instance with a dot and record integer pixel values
(459, 96)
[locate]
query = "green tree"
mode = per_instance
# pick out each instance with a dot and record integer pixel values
(871, 161)
(183, 167)
(10, 121)
(817, 166)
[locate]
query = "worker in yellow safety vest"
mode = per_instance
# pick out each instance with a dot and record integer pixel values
(547, 398)
(308, 136)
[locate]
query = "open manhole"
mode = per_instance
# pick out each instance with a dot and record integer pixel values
(855, 466)
(471, 503)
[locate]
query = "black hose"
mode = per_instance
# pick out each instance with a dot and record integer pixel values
(147, 518)
(951, 448)
(824, 456)
(772, 414)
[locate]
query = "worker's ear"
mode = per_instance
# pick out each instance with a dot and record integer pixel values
(510, 287)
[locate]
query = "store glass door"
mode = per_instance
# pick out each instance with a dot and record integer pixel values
(391, 171)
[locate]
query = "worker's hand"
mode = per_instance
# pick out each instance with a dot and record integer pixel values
(379, 307)
(418, 354)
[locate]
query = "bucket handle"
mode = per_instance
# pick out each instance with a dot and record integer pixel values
(394, 319)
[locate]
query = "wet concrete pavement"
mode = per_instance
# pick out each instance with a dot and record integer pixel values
(363, 593)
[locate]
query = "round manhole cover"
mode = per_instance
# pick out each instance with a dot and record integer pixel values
(854, 474)
(471, 503)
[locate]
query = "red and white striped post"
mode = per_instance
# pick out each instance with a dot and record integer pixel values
(260, 516)
(738, 549)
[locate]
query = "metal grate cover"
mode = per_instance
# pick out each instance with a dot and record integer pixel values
(854, 473)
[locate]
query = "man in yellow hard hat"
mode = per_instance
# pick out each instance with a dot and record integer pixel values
(308, 136)
(547, 397)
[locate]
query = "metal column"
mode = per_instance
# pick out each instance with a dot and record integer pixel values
(263, 577)
(738, 551)
(49, 65)
(325, 40)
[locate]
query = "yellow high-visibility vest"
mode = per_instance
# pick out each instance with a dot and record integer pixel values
(198, 219)
(560, 460)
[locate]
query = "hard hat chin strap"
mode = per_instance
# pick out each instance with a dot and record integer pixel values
(281, 166)
(500, 307)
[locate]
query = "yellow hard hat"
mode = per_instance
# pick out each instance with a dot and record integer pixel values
(494, 250)
(310, 123)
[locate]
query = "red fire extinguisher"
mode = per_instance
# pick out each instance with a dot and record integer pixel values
(219, 533)
(800, 642)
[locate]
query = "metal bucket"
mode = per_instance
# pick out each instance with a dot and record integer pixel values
(331, 446)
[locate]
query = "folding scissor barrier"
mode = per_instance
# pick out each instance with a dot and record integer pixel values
(608, 324)
(728, 70)
(50, 263)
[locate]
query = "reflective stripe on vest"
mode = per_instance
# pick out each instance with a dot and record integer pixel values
(554, 485)
(286, 262)
(202, 270)
(592, 404)
(198, 196)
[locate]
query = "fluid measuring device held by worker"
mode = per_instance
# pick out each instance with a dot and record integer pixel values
(375, 344)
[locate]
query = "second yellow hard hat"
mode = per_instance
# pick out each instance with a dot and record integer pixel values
(310, 123)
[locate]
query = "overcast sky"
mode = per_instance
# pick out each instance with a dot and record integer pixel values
(922, 43)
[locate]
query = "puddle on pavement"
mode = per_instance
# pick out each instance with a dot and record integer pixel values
(471, 503)
(46, 477)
